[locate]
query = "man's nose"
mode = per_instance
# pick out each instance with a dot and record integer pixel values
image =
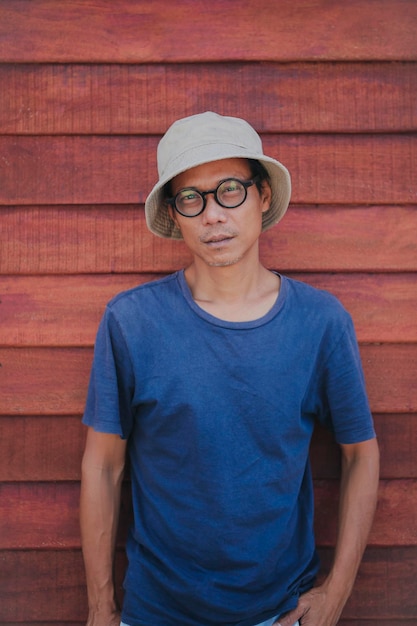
(213, 211)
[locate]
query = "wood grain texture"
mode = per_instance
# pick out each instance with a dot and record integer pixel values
(342, 622)
(49, 99)
(53, 381)
(86, 91)
(397, 439)
(43, 381)
(391, 372)
(49, 448)
(370, 622)
(109, 239)
(242, 30)
(325, 169)
(397, 505)
(24, 524)
(58, 310)
(66, 310)
(385, 586)
(41, 448)
(49, 585)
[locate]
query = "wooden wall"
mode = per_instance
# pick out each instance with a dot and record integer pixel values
(86, 90)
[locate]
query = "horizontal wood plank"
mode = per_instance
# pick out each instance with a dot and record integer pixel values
(44, 381)
(49, 99)
(380, 621)
(325, 169)
(391, 371)
(78, 31)
(49, 585)
(397, 439)
(40, 311)
(41, 448)
(24, 524)
(49, 448)
(397, 505)
(108, 239)
(45, 586)
(53, 381)
(385, 586)
(342, 622)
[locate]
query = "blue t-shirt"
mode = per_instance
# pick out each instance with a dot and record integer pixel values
(219, 417)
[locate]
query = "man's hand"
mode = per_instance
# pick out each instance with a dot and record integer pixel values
(314, 609)
(99, 619)
(323, 605)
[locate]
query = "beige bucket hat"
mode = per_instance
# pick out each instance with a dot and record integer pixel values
(203, 138)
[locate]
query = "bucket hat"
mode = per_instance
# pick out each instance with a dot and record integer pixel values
(204, 138)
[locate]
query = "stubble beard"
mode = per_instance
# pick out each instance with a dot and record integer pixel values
(225, 263)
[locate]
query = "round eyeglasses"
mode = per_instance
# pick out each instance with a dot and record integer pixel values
(229, 193)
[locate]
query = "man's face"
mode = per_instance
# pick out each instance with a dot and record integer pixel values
(219, 236)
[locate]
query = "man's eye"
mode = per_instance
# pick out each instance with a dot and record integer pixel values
(188, 196)
(231, 186)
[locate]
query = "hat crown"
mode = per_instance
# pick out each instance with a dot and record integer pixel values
(204, 129)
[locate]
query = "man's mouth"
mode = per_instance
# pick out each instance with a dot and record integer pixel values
(213, 239)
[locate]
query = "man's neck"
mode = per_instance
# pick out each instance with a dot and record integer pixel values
(233, 293)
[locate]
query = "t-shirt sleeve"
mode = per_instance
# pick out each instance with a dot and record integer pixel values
(345, 407)
(109, 399)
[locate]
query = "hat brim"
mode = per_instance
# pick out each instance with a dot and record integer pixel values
(156, 210)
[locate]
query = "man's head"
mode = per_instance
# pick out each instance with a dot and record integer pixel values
(205, 138)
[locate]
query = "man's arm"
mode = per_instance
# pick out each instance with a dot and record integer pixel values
(101, 480)
(322, 605)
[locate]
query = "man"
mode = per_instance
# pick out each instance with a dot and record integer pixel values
(213, 378)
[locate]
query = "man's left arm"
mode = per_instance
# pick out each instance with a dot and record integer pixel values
(323, 605)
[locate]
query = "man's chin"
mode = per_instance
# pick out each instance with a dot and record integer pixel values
(224, 262)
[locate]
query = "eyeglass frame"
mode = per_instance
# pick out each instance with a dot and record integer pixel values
(245, 183)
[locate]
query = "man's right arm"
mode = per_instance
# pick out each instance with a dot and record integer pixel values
(101, 480)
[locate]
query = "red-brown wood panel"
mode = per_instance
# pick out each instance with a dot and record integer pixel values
(107, 239)
(49, 381)
(379, 621)
(48, 448)
(391, 374)
(397, 438)
(145, 31)
(342, 622)
(397, 505)
(61, 240)
(84, 98)
(326, 169)
(43, 381)
(24, 524)
(49, 585)
(385, 586)
(40, 311)
(41, 448)
(145, 99)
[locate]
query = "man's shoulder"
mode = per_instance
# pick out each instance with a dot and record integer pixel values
(309, 292)
(152, 289)
(310, 299)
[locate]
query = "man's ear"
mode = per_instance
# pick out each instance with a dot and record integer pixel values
(173, 215)
(266, 195)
